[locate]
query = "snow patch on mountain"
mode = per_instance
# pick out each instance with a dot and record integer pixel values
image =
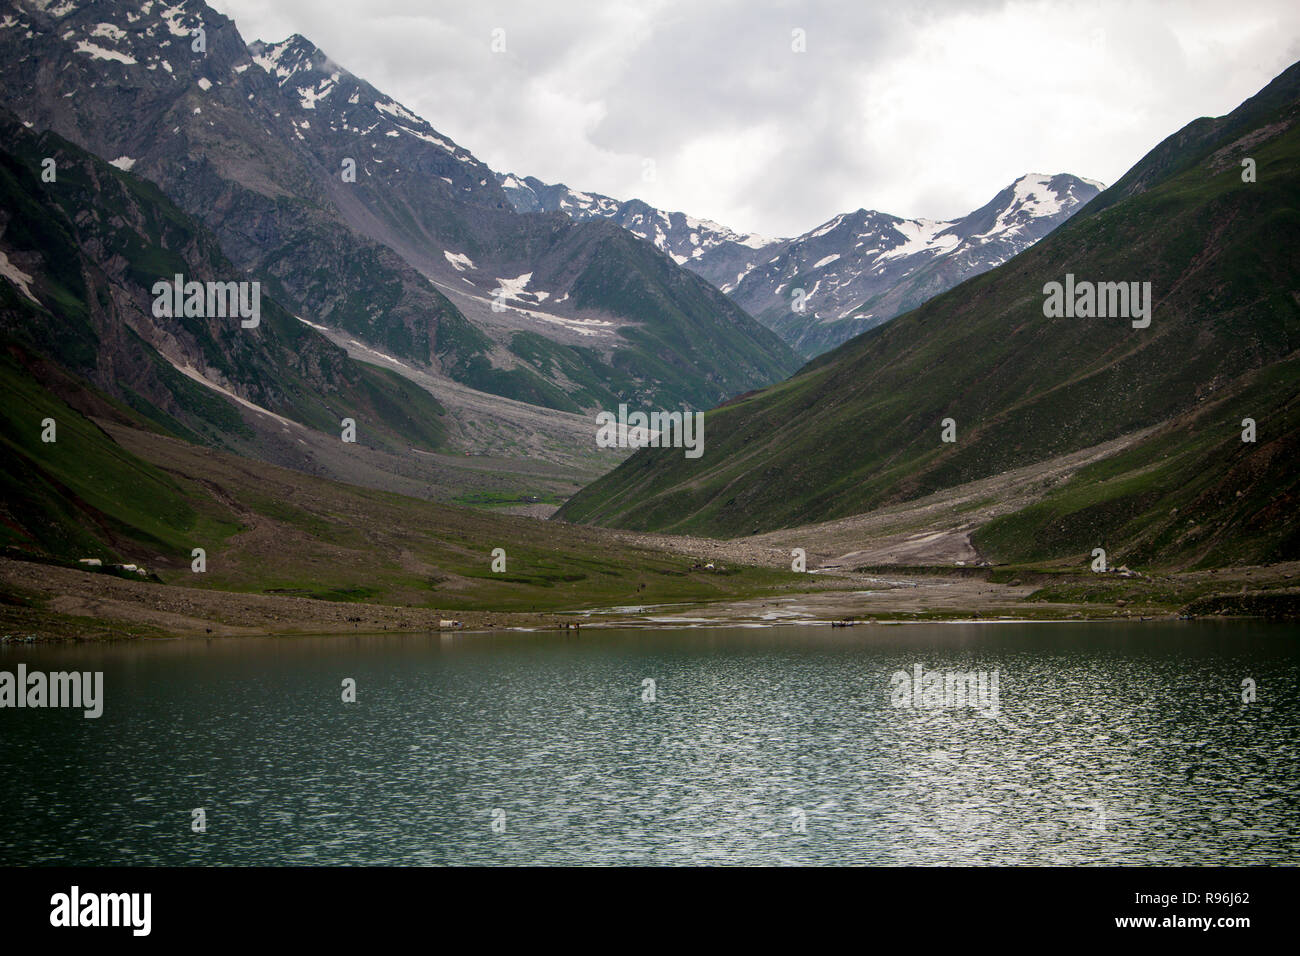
(102, 53)
(826, 228)
(458, 260)
(108, 31)
(398, 112)
(511, 288)
(15, 275)
(921, 235)
(1032, 198)
(308, 97)
(172, 17)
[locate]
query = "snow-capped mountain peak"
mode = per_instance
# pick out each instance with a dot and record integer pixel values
(855, 270)
(863, 268)
(704, 246)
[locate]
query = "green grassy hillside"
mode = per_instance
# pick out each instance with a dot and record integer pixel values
(96, 240)
(861, 426)
(109, 489)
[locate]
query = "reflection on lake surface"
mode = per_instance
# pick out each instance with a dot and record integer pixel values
(1112, 743)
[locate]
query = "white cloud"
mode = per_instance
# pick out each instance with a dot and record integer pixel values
(920, 109)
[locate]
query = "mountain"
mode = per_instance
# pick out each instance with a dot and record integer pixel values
(862, 426)
(83, 254)
(706, 248)
(81, 335)
(856, 271)
(863, 268)
(419, 255)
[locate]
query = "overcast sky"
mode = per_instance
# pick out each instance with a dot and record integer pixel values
(910, 107)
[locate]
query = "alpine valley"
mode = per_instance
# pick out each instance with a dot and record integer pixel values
(406, 436)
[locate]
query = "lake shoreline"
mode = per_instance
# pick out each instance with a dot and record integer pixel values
(48, 603)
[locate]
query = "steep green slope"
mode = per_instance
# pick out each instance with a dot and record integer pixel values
(678, 327)
(1193, 493)
(107, 489)
(96, 240)
(82, 494)
(861, 426)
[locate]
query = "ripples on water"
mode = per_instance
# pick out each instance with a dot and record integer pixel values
(1114, 744)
